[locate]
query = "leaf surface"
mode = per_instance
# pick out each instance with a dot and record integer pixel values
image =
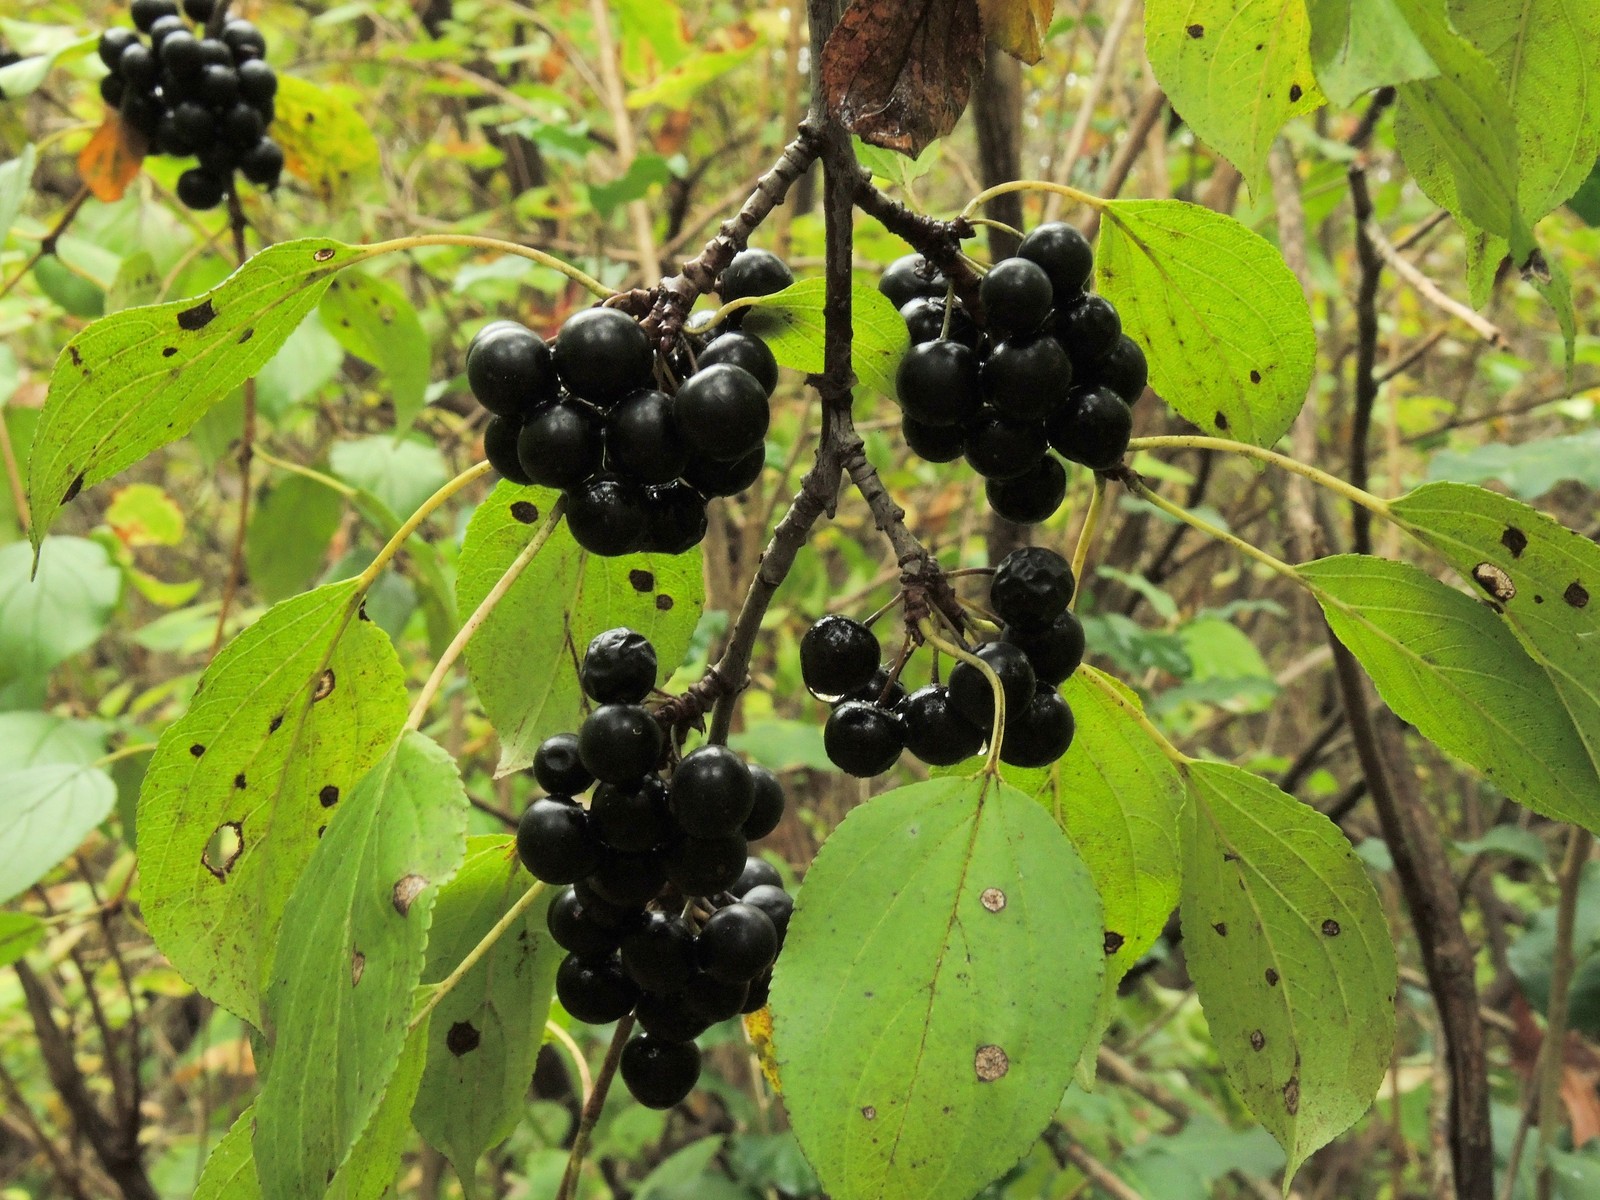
(791, 323)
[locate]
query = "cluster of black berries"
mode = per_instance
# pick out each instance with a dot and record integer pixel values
(193, 95)
(587, 415)
(1051, 369)
(1040, 645)
(668, 917)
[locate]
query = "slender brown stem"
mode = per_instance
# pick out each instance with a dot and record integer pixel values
(247, 439)
(1552, 1056)
(47, 244)
(66, 1173)
(1371, 267)
(592, 1108)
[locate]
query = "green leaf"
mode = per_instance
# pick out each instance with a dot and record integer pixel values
(354, 935)
(522, 660)
(136, 380)
(1238, 71)
(1358, 45)
(16, 177)
(46, 812)
(487, 1031)
(399, 474)
(307, 362)
(47, 619)
(923, 1039)
(288, 717)
(1542, 577)
(791, 323)
(1529, 469)
(230, 1171)
(644, 172)
(286, 545)
(327, 143)
(372, 319)
(1449, 666)
(137, 282)
(1291, 956)
(19, 933)
(1220, 315)
(31, 739)
(1510, 841)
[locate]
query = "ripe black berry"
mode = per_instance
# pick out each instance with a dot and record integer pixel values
(1055, 651)
(737, 943)
(146, 13)
(561, 444)
(938, 383)
(554, 841)
(883, 689)
(597, 910)
(180, 55)
(164, 27)
(219, 85)
(559, 768)
(1031, 587)
(712, 792)
(757, 871)
(713, 999)
(606, 516)
(199, 11)
(1038, 733)
(631, 817)
(771, 899)
(753, 272)
(660, 1074)
(970, 693)
(935, 732)
(837, 656)
(934, 443)
(1016, 296)
(200, 190)
(258, 83)
(215, 53)
(745, 351)
(721, 412)
(111, 89)
(1001, 448)
(1088, 329)
(262, 164)
(760, 993)
(620, 742)
(660, 955)
(138, 67)
(619, 667)
(1031, 498)
(242, 125)
(642, 441)
(509, 369)
(1123, 370)
(712, 478)
(674, 518)
(706, 866)
(924, 318)
(112, 44)
(670, 1018)
(906, 278)
(601, 355)
(1064, 254)
(862, 739)
(244, 39)
(595, 990)
(574, 930)
(768, 808)
(1093, 429)
(1027, 377)
(627, 879)
(500, 446)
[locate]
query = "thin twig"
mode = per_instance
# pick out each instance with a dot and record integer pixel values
(247, 439)
(1552, 1056)
(1429, 290)
(616, 102)
(592, 1109)
(1104, 62)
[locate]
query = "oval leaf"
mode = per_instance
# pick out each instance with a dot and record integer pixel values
(373, 320)
(923, 1039)
(1290, 954)
(47, 619)
(1220, 315)
(46, 811)
(791, 323)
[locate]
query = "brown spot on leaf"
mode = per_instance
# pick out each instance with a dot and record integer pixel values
(664, 603)
(1221, 420)
(358, 967)
(462, 1039)
(198, 317)
(1514, 540)
(406, 889)
(276, 722)
(1295, 92)
(246, 335)
(1112, 942)
(1255, 376)
(990, 1063)
(1272, 977)
(1330, 928)
(1257, 1039)
(324, 254)
(197, 749)
(1229, 856)
(168, 351)
(324, 687)
(1291, 1095)
(1576, 594)
(73, 489)
(238, 781)
(328, 796)
(72, 353)
(1494, 581)
(869, 1112)
(525, 512)
(642, 581)
(1221, 927)
(1196, 31)
(993, 899)
(222, 849)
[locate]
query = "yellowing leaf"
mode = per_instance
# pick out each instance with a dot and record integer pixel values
(111, 160)
(1017, 26)
(327, 143)
(141, 514)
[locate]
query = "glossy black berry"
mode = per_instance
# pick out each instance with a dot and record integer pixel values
(509, 369)
(620, 743)
(244, 39)
(1031, 587)
(218, 156)
(862, 739)
(595, 990)
(660, 955)
(200, 190)
(146, 13)
(601, 355)
(706, 866)
(760, 992)
(258, 83)
(559, 768)
(642, 441)
(906, 278)
(925, 322)
(1038, 733)
(938, 383)
(1093, 429)
(934, 443)
(674, 518)
(1088, 329)
(1031, 498)
(606, 516)
(660, 1074)
(712, 792)
(712, 478)
(138, 67)
(771, 899)
(175, 136)
(113, 42)
(757, 871)
(736, 943)
(619, 667)
(111, 89)
(561, 445)
(180, 55)
(935, 732)
(199, 11)
(242, 125)
(753, 272)
(627, 878)
(597, 910)
(1027, 377)
(713, 999)
(669, 1017)
(218, 85)
(1123, 370)
(999, 447)
(575, 931)
(768, 808)
(164, 27)
(1016, 296)
(631, 817)
(214, 52)
(745, 351)
(721, 412)
(883, 689)
(500, 448)
(837, 656)
(262, 164)
(555, 842)
(970, 693)
(1054, 651)
(1065, 256)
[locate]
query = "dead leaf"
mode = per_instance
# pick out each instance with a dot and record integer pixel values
(898, 73)
(110, 162)
(1017, 26)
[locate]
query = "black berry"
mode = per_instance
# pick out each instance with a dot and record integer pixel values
(768, 808)
(146, 13)
(712, 478)
(1031, 498)
(112, 44)
(619, 667)
(595, 990)
(1016, 296)
(200, 190)
(627, 878)
(674, 518)
(1093, 429)
(1027, 377)
(706, 866)
(262, 164)
(575, 931)
(1055, 651)
(935, 732)
(934, 443)
(660, 1074)
(199, 11)
(1038, 733)
(601, 354)
(660, 955)
(559, 768)
(561, 444)
(757, 871)
(712, 792)
(1001, 448)
(771, 899)
(925, 322)
(258, 83)
(642, 442)
(606, 516)
(883, 689)
(554, 841)
(1065, 256)
(906, 278)
(1031, 587)
(713, 999)
(862, 739)
(970, 693)
(244, 39)
(737, 943)
(500, 448)
(1123, 370)
(837, 656)
(620, 742)
(938, 383)
(721, 412)
(631, 817)
(509, 369)
(754, 272)
(671, 1018)
(1088, 329)
(745, 351)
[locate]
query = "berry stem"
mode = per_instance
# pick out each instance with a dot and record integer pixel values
(294, 468)
(579, 1063)
(930, 632)
(485, 944)
(1137, 486)
(1116, 696)
(592, 1108)
(1086, 536)
(1030, 185)
(481, 614)
(414, 522)
(1332, 482)
(488, 243)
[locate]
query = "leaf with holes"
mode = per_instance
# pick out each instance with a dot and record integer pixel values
(373, 320)
(1237, 71)
(487, 1031)
(523, 659)
(287, 718)
(1220, 315)
(1449, 666)
(355, 933)
(138, 379)
(1359, 45)
(791, 323)
(1290, 954)
(47, 619)
(327, 143)
(923, 1041)
(1542, 577)
(46, 811)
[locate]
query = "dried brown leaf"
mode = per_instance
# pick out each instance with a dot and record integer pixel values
(110, 162)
